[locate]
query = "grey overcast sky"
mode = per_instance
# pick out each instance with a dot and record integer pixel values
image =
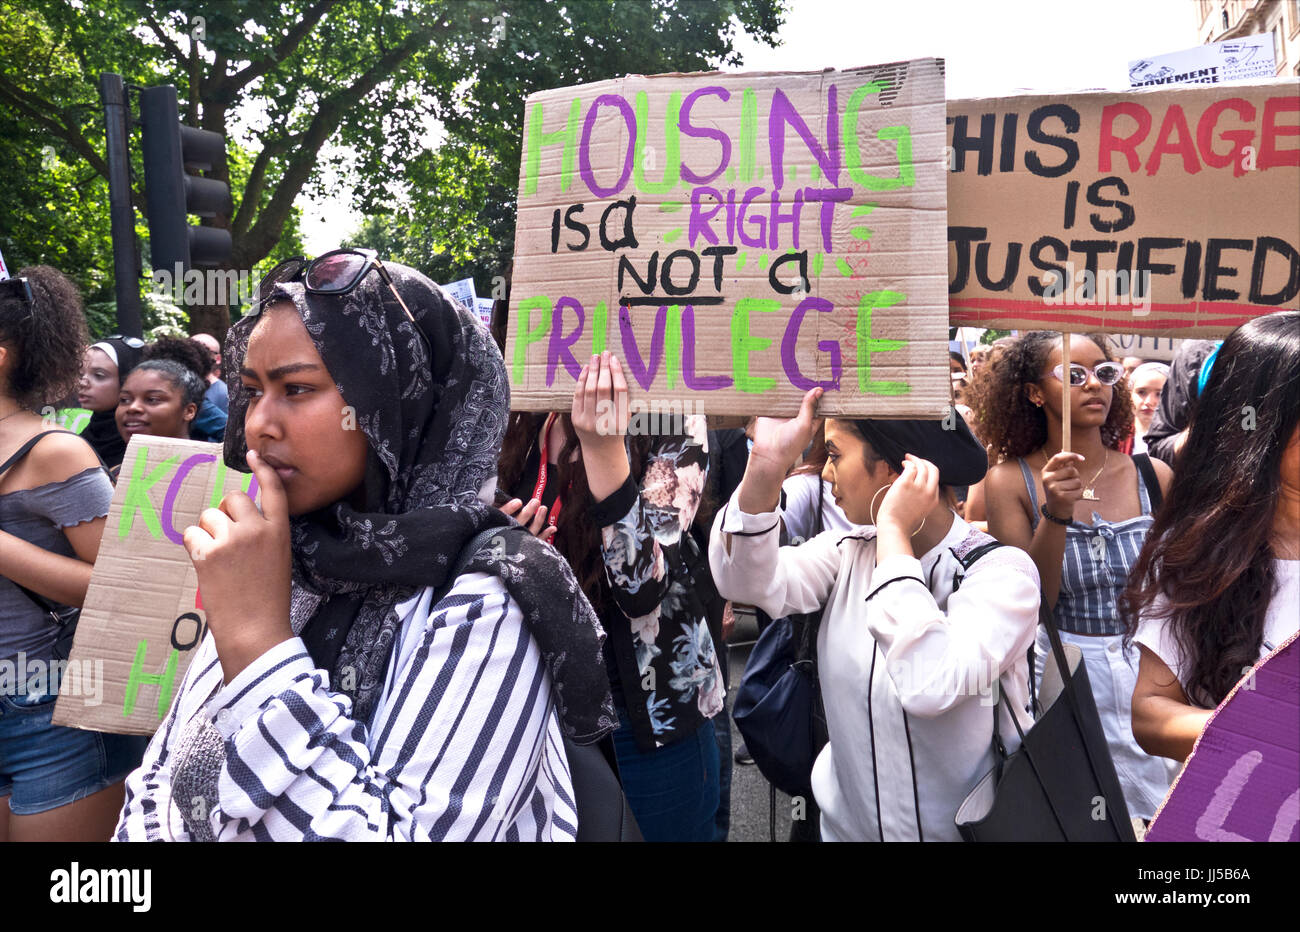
(992, 48)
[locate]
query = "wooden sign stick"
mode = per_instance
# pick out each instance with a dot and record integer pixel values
(1065, 392)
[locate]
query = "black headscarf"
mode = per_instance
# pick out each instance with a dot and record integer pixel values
(101, 431)
(434, 429)
(959, 456)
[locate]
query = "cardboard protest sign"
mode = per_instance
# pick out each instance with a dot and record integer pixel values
(1242, 782)
(143, 616)
(1171, 211)
(1247, 58)
(736, 239)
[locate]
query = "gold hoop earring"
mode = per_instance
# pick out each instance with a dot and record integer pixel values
(871, 512)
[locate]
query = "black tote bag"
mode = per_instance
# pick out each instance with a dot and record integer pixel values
(1060, 784)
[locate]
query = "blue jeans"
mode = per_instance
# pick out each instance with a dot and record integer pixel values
(44, 766)
(673, 790)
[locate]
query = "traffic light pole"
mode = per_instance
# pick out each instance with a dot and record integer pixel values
(126, 264)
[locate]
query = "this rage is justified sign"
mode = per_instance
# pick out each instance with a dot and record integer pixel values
(1172, 211)
(737, 239)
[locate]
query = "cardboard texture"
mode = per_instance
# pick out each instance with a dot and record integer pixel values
(1242, 781)
(1200, 186)
(143, 617)
(736, 239)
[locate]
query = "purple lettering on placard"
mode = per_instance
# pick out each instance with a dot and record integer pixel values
(644, 375)
(584, 148)
(174, 489)
(782, 114)
(790, 343)
(558, 350)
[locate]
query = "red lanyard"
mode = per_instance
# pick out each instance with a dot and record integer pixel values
(540, 488)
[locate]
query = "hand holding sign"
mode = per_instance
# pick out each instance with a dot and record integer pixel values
(1062, 484)
(600, 419)
(242, 560)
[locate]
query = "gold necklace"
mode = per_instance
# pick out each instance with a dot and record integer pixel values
(1089, 493)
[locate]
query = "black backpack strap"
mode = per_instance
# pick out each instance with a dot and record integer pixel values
(969, 560)
(1149, 478)
(26, 448)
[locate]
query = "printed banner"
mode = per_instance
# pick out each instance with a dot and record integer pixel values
(736, 239)
(1162, 212)
(1248, 58)
(143, 616)
(1242, 782)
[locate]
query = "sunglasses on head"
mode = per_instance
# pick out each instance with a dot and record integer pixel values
(1107, 373)
(336, 272)
(133, 342)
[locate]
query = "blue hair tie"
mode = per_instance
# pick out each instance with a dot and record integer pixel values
(1206, 367)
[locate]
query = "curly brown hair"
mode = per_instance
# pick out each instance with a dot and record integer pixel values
(1009, 421)
(47, 338)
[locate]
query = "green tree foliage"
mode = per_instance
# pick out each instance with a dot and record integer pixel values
(298, 77)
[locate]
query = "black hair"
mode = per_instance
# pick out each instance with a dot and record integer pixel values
(184, 379)
(191, 355)
(957, 357)
(1209, 552)
(47, 337)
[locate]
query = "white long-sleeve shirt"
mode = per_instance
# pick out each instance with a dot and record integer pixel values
(465, 742)
(906, 665)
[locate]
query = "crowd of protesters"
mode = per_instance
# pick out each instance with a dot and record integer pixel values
(439, 602)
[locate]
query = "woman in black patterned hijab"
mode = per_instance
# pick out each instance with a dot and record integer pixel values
(331, 698)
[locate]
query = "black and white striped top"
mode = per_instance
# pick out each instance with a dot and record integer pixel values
(465, 743)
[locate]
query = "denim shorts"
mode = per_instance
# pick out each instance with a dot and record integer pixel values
(44, 766)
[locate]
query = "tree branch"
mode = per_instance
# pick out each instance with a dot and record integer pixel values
(225, 86)
(38, 111)
(262, 236)
(168, 43)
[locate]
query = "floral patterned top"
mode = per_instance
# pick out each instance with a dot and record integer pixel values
(658, 646)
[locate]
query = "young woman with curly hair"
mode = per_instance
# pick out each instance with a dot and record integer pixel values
(1082, 515)
(56, 783)
(1217, 585)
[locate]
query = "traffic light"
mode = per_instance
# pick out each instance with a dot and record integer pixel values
(171, 194)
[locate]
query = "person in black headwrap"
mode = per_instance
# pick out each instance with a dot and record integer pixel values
(103, 371)
(330, 698)
(907, 654)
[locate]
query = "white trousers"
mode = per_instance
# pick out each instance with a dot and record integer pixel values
(1112, 673)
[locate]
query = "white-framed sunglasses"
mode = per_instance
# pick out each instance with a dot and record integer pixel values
(1107, 373)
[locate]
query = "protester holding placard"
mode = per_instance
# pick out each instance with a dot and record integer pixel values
(103, 370)
(332, 697)
(1205, 605)
(922, 615)
(622, 507)
(56, 784)
(1082, 515)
